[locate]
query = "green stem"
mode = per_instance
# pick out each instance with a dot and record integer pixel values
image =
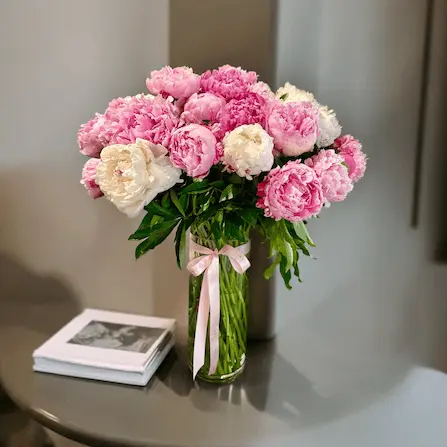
(222, 365)
(226, 323)
(233, 318)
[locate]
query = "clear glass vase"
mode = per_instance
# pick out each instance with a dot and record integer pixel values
(233, 316)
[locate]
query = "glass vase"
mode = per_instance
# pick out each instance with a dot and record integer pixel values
(233, 315)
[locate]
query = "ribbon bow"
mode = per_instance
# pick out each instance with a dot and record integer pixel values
(209, 303)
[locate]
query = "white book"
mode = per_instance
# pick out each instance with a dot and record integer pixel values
(107, 346)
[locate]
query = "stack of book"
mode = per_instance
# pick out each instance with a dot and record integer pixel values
(107, 346)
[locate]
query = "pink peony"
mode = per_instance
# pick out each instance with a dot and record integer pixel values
(228, 82)
(193, 149)
(141, 117)
(351, 150)
(89, 178)
(218, 130)
(333, 175)
(292, 192)
(125, 120)
(219, 152)
(93, 136)
(263, 89)
(179, 82)
(203, 107)
(293, 126)
(252, 109)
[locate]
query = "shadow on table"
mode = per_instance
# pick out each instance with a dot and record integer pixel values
(26, 297)
(25, 300)
(257, 384)
(273, 385)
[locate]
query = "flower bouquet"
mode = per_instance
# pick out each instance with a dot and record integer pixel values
(212, 157)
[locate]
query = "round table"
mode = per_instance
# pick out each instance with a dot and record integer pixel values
(286, 397)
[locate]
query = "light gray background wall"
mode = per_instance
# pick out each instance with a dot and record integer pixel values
(372, 293)
(61, 62)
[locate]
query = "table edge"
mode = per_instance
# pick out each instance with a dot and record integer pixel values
(54, 424)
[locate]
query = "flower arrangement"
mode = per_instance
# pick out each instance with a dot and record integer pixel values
(219, 154)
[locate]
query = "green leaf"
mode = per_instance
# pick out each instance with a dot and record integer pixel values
(285, 234)
(205, 201)
(184, 201)
(180, 242)
(145, 223)
(206, 121)
(289, 255)
(156, 236)
(165, 202)
(268, 273)
(194, 205)
(142, 248)
(140, 234)
(232, 206)
(188, 222)
(250, 215)
(200, 191)
(218, 184)
(296, 269)
(284, 97)
(158, 219)
(196, 187)
(177, 203)
(280, 161)
(263, 226)
(155, 208)
(227, 193)
(301, 231)
(286, 274)
(203, 217)
(235, 179)
(217, 234)
(145, 227)
(302, 247)
(235, 227)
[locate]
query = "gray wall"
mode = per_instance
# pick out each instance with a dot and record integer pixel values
(206, 34)
(433, 214)
(370, 295)
(62, 61)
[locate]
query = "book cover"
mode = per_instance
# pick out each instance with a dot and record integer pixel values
(107, 340)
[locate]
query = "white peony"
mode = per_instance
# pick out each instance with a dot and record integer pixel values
(289, 93)
(329, 127)
(248, 150)
(131, 175)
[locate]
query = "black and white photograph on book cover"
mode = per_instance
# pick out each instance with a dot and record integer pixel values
(121, 337)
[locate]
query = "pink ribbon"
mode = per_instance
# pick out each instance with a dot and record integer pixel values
(209, 302)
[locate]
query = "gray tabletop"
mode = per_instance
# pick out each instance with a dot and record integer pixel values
(280, 400)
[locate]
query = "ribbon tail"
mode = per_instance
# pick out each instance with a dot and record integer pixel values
(214, 303)
(201, 326)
